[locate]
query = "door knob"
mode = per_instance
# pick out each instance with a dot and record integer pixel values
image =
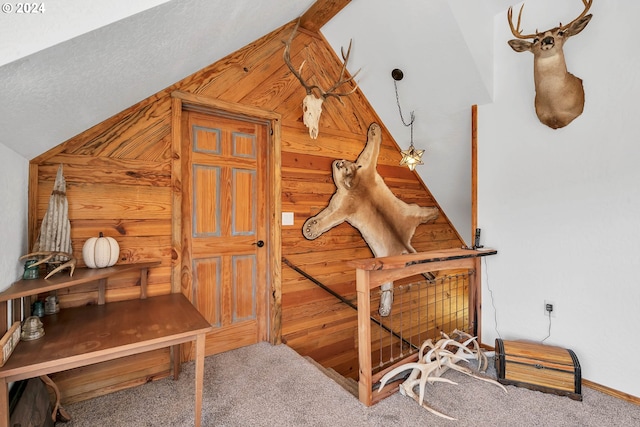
(259, 243)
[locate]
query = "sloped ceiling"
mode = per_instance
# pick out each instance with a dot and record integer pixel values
(74, 65)
(62, 90)
(54, 22)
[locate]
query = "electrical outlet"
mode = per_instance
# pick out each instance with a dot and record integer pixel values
(554, 310)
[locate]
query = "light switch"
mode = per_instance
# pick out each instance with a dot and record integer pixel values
(287, 218)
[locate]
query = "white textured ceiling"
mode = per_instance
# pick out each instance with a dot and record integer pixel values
(52, 22)
(64, 89)
(78, 63)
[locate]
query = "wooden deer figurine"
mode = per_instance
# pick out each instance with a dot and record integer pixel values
(559, 94)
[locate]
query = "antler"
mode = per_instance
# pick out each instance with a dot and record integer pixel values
(342, 80)
(309, 88)
(587, 6)
(517, 32)
(287, 59)
(432, 364)
(48, 255)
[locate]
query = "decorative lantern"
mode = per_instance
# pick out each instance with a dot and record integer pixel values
(100, 252)
(410, 157)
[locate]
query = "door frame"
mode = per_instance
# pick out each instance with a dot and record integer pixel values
(183, 100)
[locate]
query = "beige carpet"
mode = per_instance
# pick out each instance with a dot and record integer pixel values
(264, 385)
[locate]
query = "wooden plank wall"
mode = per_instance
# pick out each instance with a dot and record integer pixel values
(118, 177)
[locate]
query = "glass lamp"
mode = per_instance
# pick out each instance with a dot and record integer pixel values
(410, 157)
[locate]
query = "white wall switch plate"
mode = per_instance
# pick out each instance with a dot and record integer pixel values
(287, 218)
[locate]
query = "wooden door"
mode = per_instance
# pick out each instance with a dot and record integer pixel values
(225, 246)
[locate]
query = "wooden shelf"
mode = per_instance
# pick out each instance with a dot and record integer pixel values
(81, 336)
(25, 288)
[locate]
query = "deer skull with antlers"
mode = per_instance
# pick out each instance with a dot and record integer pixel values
(559, 94)
(311, 104)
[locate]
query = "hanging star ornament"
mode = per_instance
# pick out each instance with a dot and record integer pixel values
(411, 157)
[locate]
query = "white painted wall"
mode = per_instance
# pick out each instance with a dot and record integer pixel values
(14, 180)
(563, 206)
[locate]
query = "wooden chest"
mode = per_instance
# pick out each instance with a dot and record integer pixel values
(539, 367)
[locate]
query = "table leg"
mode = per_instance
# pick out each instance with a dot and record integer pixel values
(4, 403)
(175, 360)
(102, 289)
(200, 340)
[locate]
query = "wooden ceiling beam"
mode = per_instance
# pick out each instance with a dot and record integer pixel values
(320, 13)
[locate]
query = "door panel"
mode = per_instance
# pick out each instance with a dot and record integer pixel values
(206, 297)
(243, 205)
(224, 269)
(206, 201)
(244, 269)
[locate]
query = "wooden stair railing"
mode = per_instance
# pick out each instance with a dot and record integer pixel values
(342, 299)
(371, 273)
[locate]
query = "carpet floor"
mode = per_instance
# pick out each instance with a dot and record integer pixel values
(265, 385)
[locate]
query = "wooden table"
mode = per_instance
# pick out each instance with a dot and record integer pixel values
(86, 335)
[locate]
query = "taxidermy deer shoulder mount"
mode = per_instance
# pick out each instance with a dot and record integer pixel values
(362, 199)
(311, 104)
(559, 94)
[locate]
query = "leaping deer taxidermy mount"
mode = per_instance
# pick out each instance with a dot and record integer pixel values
(311, 104)
(559, 94)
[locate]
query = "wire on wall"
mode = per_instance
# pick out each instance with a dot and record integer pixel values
(495, 311)
(549, 333)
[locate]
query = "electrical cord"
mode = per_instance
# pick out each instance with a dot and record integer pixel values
(495, 311)
(549, 334)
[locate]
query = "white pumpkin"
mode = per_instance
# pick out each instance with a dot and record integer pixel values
(100, 252)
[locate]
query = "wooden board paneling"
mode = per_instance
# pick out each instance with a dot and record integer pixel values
(320, 13)
(123, 180)
(81, 383)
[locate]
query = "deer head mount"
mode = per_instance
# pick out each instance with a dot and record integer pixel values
(312, 104)
(559, 94)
